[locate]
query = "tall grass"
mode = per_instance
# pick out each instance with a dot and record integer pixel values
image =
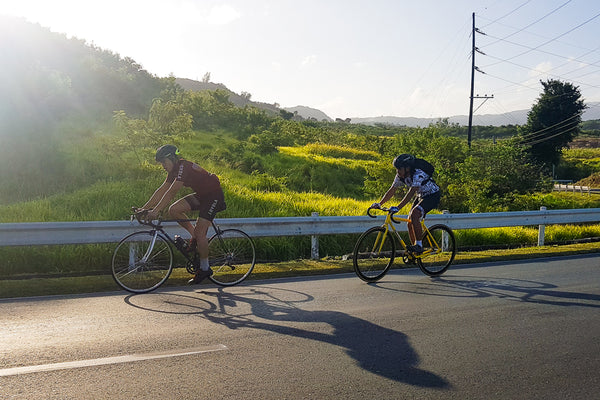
(294, 181)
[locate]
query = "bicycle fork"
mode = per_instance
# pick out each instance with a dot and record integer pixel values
(144, 259)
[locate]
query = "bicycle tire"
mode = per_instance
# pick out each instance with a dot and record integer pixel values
(131, 272)
(231, 255)
(440, 243)
(373, 258)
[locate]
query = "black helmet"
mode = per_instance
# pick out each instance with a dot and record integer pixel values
(166, 151)
(404, 160)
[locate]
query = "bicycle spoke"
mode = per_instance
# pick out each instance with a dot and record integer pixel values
(132, 272)
(231, 257)
(439, 250)
(373, 254)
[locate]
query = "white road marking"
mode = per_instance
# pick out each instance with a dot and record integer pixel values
(107, 361)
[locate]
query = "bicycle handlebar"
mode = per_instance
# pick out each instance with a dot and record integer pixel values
(140, 216)
(391, 210)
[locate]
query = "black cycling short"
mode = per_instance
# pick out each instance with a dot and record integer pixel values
(428, 202)
(207, 204)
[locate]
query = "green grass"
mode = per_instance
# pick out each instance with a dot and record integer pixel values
(295, 181)
(13, 288)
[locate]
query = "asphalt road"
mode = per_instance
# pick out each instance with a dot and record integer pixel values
(526, 330)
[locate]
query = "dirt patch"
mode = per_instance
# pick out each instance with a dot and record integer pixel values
(585, 143)
(591, 181)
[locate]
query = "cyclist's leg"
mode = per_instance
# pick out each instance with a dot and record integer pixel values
(414, 227)
(179, 210)
(419, 210)
(200, 232)
(207, 205)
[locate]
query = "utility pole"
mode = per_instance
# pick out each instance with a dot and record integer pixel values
(473, 69)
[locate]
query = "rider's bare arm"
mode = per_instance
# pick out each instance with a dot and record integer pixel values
(388, 195)
(157, 196)
(407, 197)
(168, 196)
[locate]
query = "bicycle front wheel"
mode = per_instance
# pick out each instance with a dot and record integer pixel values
(439, 249)
(231, 255)
(374, 254)
(141, 262)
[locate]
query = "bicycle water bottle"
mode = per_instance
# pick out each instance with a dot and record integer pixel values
(180, 243)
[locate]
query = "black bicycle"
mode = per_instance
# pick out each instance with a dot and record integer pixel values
(143, 260)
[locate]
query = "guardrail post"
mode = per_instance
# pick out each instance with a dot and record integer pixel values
(314, 243)
(444, 235)
(541, 230)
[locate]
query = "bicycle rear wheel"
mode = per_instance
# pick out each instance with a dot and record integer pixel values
(231, 255)
(439, 249)
(374, 254)
(140, 264)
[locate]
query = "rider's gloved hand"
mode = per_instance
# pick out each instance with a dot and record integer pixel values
(394, 210)
(375, 205)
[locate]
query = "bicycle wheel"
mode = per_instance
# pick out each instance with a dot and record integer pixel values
(231, 255)
(374, 254)
(140, 264)
(439, 249)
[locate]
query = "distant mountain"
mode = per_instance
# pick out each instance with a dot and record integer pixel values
(238, 100)
(518, 117)
(241, 101)
(512, 118)
(309, 113)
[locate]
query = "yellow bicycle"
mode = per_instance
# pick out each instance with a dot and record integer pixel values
(375, 249)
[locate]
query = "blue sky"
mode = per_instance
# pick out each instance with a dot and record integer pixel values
(349, 58)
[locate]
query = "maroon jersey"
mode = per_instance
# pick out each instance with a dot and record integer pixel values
(195, 177)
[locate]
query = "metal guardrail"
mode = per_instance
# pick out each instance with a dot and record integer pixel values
(575, 189)
(57, 233)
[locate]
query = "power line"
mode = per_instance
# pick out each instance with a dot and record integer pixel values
(507, 14)
(547, 73)
(551, 40)
(531, 24)
(547, 138)
(538, 136)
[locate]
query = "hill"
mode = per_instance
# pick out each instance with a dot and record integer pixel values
(241, 101)
(238, 100)
(518, 117)
(309, 113)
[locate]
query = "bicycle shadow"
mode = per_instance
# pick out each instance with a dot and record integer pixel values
(504, 288)
(379, 350)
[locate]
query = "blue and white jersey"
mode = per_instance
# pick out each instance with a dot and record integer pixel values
(420, 180)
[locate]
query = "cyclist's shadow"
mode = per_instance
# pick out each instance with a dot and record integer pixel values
(380, 350)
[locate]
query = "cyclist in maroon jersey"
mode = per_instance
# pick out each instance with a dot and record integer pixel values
(207, 199)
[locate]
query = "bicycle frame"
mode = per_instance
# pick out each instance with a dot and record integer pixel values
(374, 251)
(158, 229)
(389, 226)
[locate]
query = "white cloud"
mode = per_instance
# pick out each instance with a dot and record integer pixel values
(222, 14)
(542, 68)
(334, 107)
(309, 60)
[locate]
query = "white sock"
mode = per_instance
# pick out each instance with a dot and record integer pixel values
(419, 243)
(204, 266)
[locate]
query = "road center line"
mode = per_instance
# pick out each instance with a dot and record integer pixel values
(107, 361)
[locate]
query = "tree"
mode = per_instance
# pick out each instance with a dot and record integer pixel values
(490, 177)
(246, 96)
(553, 122)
